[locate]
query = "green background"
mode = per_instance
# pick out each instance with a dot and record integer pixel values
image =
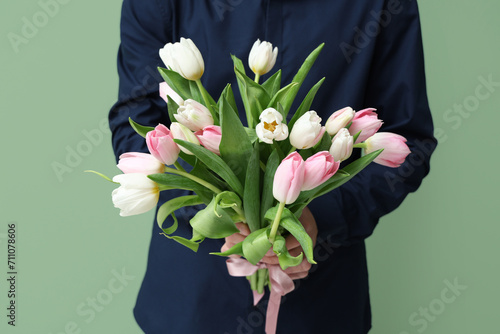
(59, 87)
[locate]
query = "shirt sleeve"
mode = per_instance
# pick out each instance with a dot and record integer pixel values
(396, 87)
(144, 29)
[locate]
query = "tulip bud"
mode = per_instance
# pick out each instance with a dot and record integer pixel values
(342, 144)
(289, 178)
(137, 194)
(210, 138)
(318, 168)
(307, 131)
(184, 58)
(270, 126)
(166, 90)
(395, 148)
(135, 162)
(181, 132)
(161, 145)
(194, 115)
(367, 122)
(262, 57)
(338, 120)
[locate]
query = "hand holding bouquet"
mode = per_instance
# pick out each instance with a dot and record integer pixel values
(256, 180)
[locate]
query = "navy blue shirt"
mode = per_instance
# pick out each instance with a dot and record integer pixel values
(373, 57)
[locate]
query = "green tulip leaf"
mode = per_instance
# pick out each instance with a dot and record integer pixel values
(305, 106)
(281, 97)
(273, 84)
(256, 245)
(300, 76)
(235, 250)
(171, 206)
(292, 224)
(267, 198)
(213, 222)
(251, 196)
(173, 181)
(284, 257)
(140, 129)
(253, 95)
(179, 84)
(172, 107)
(235, 146)
(214, 163)
(228, 94)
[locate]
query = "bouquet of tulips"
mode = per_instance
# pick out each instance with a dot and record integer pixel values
(263, 174)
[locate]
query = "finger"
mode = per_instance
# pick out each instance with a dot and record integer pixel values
(244, 230)
(270, 259)
(299, 276)
(304, 266)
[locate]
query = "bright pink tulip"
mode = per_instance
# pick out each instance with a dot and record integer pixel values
(395, 148)
(166, 90)
(289, 178)
(135, 162)
(367, 122)
(319, 168)
(210, 138)
(161, 145)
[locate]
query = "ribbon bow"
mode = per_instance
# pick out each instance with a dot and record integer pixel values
(281, 284)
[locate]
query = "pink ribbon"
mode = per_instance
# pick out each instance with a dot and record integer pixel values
(281, 284)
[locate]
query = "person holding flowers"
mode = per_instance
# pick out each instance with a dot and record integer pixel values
(184, 292)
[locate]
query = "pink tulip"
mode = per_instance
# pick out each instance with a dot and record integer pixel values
(289, 178)
(319, 168)
(166, 90)
(367, 122)
(210, 138)
(161, 145)
(395, 149)
(135, 162)
(338, 120)
(342, 144)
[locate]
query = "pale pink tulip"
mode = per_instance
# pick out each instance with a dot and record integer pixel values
(307, 131)
(166, 90)
(161, 145)
(395, 148)
(367, 122)
(289, 178)
(194, 115)
(210, 138)
(181, 132)
(338, 120)
(342, 144)
(319, 168)
(136, 162)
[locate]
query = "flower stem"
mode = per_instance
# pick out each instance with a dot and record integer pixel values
(257, 77)
(253, 281)
(204, 94)
(276, 223)
(261, 279)
(360, 145)
(194, 178)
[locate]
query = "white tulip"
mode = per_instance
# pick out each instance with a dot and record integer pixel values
(307, 131)
(271, 127)
(262, 57)
(137, 194)
(184, 58)
(181, 132)
(342, 144)
(338, 120)
(194, 115)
